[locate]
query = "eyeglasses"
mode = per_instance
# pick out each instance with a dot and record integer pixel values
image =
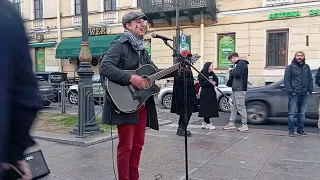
(141, 21)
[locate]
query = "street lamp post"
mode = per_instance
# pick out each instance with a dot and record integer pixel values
(85, 75)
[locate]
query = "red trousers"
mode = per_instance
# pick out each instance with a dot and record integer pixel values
(131, 141)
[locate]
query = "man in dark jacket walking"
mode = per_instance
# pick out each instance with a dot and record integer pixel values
(19, 94)
(128, 53)
(298, 83)
(318, 84)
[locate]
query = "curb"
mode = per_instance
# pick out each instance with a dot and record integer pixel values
(86, 141)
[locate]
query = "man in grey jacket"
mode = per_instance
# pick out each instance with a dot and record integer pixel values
(238, 80)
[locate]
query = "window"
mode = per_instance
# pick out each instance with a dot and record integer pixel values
(77, 7)
(38, 9)
(226, 45)
(277, 47)
(138, 3)
(17, 5)
(109, 5)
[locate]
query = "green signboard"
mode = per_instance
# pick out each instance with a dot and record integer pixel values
(226, 45)
(292, 14)
(41, 64)
(185, 44)
(147, 43)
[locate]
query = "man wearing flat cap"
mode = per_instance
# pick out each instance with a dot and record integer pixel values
(129, 53)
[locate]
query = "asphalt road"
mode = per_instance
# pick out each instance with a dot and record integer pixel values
(274, 123)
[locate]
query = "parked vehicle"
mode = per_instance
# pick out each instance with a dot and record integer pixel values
(48, 92)
(272, 101)
(55, 78)
(165, 94)
(98, 92)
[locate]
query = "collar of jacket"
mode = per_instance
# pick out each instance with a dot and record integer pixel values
(123, 39)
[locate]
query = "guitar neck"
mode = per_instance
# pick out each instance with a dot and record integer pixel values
(162, 73)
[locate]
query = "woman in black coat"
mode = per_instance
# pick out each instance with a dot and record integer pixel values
(177, 105)
(208, 97)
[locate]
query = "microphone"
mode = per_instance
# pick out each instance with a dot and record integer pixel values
(154, 35)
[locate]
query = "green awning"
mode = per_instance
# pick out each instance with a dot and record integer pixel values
(70, 47)
(42, 44)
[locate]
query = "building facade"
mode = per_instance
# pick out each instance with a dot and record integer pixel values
(267, 32)
(54, 30)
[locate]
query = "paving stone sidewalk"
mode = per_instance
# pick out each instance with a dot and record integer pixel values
(213, 155)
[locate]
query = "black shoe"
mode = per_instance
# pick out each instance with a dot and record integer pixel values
(291, 134)
(302, 133)
(180, 132)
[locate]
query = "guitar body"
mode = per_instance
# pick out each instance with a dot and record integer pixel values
(129, 99)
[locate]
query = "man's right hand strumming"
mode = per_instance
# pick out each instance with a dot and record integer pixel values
(137, 81)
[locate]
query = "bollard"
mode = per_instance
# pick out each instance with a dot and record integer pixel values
(63, 97)
(81, 109)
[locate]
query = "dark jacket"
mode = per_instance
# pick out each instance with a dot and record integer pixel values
(238, 79)
(298, 78)
(20, 99)
(177, 103)
(318, 77)
(208, 97)
(112, 65)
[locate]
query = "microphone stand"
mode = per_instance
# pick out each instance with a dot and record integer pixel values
(186, 64)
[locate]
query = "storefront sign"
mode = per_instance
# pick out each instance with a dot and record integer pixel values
(99, 31)
(313, 12)
(38, 37)
(185, 43)
(225, 47)
(292, 14)
(287, 14)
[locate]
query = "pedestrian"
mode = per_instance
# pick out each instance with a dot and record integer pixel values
(20, 98)
(128, 53)
(208, 97)
(178, 103)
(298, 83)
(318, 84)
(238, 80)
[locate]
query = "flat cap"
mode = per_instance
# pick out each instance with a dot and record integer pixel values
(133, 16)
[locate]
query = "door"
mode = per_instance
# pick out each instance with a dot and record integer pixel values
(40, 60)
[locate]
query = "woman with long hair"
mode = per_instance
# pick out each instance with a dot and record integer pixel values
(208, 98)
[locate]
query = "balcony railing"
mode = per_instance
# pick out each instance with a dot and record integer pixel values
(109, 17)
(153, 6)
(38, 24)
(76, 20)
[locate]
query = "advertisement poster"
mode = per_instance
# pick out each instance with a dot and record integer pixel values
(148, 47)
(41, 66)
(226, 46)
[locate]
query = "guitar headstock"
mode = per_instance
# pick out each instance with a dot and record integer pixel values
(191, 58)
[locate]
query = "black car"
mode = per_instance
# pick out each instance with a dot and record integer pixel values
(48, 92)
(272, 101)
(54, 78)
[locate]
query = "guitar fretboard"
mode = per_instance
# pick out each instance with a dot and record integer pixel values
(164, 72)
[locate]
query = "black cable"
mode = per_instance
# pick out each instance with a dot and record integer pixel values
(185, 66)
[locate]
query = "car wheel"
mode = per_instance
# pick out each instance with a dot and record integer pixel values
(257, 112)
(224, 104)
(46, 102)
(166, 101)
(73, 97)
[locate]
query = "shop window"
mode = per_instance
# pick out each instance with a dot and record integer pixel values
(277, 48)
(226, 45)
(17, 5)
